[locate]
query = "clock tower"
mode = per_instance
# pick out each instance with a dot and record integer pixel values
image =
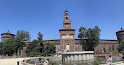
(66, 22)
(67, 35)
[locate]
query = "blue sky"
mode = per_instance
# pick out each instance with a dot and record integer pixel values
(46, 16)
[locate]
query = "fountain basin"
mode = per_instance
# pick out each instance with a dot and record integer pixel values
(77, 56)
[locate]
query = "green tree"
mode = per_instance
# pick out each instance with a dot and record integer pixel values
(21, 36)
(121, 46)
(1, 51)
(89, 38)
(109, 48)
(40, 37)
(9, 47)
(49, 49)
(40, 42)
(113, 48)
(14, 45)
(33, 49)
(36, 46)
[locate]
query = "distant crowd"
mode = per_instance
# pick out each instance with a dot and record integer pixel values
(38, 61)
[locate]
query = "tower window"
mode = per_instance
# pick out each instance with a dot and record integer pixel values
(66, 14)
(66, 17)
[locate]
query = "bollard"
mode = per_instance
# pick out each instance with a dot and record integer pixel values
(17, 62)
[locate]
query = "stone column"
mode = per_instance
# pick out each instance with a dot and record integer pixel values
(92, 56)
(84, 57)
(65, 58)
(80, 58)
(75, 57)
(87, 56)
(72, 57)
(68, 57)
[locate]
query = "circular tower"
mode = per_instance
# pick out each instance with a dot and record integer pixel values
(120, 35)
(7, 35)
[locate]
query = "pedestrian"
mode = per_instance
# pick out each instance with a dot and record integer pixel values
(46, 62)
(38, 62)
(109, 60)
(25, 60)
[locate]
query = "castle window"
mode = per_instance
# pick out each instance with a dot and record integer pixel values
(66, 14)
(66, 17)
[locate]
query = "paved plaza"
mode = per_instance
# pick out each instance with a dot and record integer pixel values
(10, 61)
(116, 63)
(13, 61)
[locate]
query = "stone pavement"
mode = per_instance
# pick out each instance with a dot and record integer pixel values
(13, 61)
(10, 61)
(115, 63)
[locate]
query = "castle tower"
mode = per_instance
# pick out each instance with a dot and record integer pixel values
(120, 35)
(67, 35)
(66, 22)
(5, 36)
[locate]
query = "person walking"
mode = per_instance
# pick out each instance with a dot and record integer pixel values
(38, 62)
(109, 60)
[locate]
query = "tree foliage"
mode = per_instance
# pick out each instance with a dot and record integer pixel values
(113, 48)
(121, 46)
(1, 51)
(40, 37)
(31, 46)
(9, 47)
(109, 48)
(40, 42)
(13, 45)
(89, 38)
(49, 49)
(36, 47)
(21, 36)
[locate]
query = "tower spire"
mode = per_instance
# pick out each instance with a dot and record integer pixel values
(121, 28)
(8, 30)
(66, 16)
(66, 22)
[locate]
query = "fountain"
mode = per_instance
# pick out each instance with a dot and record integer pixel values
(77, 56)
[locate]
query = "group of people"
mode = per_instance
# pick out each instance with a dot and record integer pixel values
(109, 59)
(38, 62)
